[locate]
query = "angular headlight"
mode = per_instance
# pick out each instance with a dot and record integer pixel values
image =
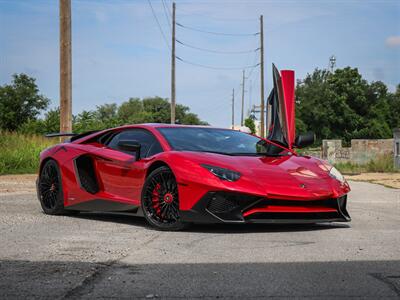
(221, 173)
(334, 173)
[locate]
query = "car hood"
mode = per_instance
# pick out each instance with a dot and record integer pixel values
(291, 176)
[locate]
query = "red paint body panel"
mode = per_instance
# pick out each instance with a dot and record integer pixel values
(288, 209)
(120, 177)
(288, 85)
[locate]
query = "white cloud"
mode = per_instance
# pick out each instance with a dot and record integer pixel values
(393, 41)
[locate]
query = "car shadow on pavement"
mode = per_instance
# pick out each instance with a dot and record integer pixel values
(22, 279)
(212, 228)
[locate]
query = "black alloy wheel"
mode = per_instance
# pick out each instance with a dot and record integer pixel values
(49, 188)
(160, 200)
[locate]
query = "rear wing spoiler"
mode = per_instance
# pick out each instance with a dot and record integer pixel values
(50, 135)
(74, 136)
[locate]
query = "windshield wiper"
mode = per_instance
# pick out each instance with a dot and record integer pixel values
(257, 154)
(216, 152)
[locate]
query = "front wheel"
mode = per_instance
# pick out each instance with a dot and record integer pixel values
(50, 191)
(160, 200)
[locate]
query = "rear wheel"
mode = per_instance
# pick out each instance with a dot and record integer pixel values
(160, 200)
(50, 191)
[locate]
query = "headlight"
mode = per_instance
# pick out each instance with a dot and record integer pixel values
(221, 173)
(334, 173)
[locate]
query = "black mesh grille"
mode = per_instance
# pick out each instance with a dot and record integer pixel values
(229, 206)
(221, 204)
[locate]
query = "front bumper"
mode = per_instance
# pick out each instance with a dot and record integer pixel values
(226, 207)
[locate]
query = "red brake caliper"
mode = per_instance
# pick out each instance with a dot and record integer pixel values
(156, 199)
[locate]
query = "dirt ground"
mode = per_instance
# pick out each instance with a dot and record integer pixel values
(21, 184)
(387, 179)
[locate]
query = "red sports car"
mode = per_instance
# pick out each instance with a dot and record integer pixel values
(174, 175)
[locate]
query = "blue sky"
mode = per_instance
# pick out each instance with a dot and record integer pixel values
(119, 52)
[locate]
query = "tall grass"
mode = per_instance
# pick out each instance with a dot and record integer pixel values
(382, 163)
(19, 153)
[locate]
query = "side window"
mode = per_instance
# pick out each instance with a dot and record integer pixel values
(105, 138)
(149, 144)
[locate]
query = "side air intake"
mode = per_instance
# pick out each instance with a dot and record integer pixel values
(86, 174)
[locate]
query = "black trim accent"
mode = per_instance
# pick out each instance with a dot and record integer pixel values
(104, 206)
(59, 134)
(56, 149)
(141, 153)
(226, 207)
(81, 135)
(74, 136)
(219, 207)
(86, 175)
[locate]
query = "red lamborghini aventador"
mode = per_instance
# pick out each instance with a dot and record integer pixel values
(174, 175)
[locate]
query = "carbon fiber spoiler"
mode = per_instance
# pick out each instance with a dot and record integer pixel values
(50, 135)
(74, 136)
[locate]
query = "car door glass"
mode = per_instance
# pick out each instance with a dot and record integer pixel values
(149, 144)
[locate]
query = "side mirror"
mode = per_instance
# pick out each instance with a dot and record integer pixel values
(304, 140)
(130, 146)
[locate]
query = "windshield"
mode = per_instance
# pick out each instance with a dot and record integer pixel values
(223, 141)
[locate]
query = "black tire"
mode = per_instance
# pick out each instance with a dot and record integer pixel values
(49, 188)
(160, 201)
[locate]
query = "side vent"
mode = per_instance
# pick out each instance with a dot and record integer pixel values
(86, 174)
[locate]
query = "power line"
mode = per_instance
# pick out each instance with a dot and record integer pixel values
(168, 10)
(187, 13)
(214, 67)
(167, 14)
(254, 63)
(158, 23)
(216, 33)
(217, 51)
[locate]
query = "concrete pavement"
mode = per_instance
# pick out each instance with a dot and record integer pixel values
(109, 256)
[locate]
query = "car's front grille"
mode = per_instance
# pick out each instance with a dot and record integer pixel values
(222, 204)
(229, 206)
(281, 209)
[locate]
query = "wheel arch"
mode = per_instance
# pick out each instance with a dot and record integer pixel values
(155, 165)
(44, 161)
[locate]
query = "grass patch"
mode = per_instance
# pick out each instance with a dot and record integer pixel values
(19, 154)
(382, 164)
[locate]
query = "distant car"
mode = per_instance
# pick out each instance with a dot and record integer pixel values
(174, 175)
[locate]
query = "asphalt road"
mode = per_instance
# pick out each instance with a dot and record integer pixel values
(108, 256)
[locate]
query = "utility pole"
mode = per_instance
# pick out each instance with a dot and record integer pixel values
(233, 108)
(250, 90)
(65, 67)
(262, 118)
(173, 66)
(241, 119)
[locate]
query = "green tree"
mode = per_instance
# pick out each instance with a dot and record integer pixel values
(249, 123)
(49, 124)
(155, 110)
(107, 114)
(131, 111)
(344, 105)
(394, 108)
(86, 121)
(20, 102)
(51, 121)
